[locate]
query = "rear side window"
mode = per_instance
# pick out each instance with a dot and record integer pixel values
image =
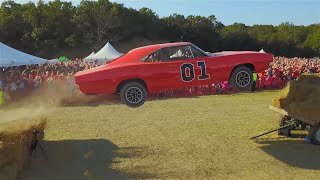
(145, 59)
(151, 58)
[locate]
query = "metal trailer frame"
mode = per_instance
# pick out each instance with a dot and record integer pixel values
(290, 121)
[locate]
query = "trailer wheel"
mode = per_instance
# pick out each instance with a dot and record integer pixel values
(314, 134)
(284, 132)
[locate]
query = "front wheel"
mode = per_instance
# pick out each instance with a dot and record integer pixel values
(241, 78)
(133, 94)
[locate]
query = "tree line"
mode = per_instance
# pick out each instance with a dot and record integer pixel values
(60, 28)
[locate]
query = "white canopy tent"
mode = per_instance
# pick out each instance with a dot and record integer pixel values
(88, 57)
(262, 51)
(107, 53)
(53, 61)
(12, 57)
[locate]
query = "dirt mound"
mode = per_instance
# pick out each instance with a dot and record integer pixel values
(301, 97)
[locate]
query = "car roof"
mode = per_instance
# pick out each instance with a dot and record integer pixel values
(164, 45)
(140, 52)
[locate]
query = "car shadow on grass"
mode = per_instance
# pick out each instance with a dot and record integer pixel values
(294, 152)
(82, 159)
(91, 100)
(98, 100)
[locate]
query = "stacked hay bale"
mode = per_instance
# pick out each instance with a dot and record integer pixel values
(15, 144)
(301, 97)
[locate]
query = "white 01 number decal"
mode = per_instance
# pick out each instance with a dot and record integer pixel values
(188, 73)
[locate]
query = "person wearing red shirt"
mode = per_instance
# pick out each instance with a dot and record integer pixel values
(279, 83)
(263, 82)
(295, 75)
(30, 82)
(276, 72)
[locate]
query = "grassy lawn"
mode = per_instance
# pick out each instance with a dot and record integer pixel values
(190, 138)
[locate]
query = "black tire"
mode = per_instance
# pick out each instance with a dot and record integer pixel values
(284, 132)
(133, 94)
(281, 123)
(241, 72)
(314, 134)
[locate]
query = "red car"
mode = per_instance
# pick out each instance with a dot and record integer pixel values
(170, 66)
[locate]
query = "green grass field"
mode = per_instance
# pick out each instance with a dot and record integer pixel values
(191, 138)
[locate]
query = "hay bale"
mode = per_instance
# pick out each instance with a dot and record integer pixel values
(15, 141)
(9, 172)
(301, 97)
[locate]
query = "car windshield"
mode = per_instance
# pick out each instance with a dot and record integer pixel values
(199, 49)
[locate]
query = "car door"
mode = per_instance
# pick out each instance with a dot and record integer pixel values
(182, 65)
(161, 72)
(193, 69)
(204, 68)
(177, 67)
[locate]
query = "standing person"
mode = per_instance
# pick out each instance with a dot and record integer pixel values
(289, 74)
(253, 86)
(1, 85)
(69, 86)
(1, 97)
(22, 86)
(270, 72)
(51, 88)
(30, 82)
(26, 71)
(13, 89)
(37, 82)
(50, 83)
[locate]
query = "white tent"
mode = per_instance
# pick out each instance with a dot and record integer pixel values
(88, 57)
(262, 51)
(53, 61)
(107, 53)
(12, 57)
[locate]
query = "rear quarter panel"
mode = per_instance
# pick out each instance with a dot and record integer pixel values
(222, 66)
(107, 79)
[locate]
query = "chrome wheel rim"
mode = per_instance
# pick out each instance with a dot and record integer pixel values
(243, 79)
(134, 95)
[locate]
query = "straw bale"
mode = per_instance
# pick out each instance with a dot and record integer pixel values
(301, 97)
(15, 141)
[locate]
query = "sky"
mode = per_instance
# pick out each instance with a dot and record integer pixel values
(249, 12)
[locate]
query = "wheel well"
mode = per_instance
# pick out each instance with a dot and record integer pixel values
(248, 65)
(122, 83)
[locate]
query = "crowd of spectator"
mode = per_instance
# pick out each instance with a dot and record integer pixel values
(19, 82)
(284, 69)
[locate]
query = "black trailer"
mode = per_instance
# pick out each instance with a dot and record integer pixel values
(289, 122)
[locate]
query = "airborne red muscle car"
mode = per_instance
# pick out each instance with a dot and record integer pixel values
(170, 66)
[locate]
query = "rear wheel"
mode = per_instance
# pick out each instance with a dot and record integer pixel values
(133, 94)
(241, 78)
(314, 134)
